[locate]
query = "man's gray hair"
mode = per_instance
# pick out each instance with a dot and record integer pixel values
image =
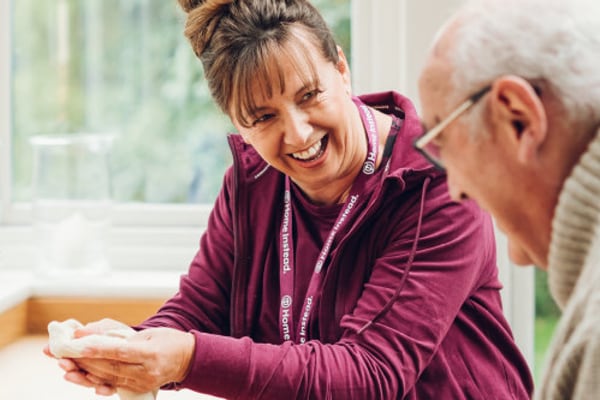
(555, 41)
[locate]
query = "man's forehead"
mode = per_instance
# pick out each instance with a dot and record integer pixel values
(437, 72)
(435, 81)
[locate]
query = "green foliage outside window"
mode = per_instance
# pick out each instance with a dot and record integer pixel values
(123, 67)
(547, 314)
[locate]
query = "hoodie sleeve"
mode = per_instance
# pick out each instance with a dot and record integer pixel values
(202, 302)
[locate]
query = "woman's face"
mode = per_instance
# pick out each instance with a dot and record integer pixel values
(309, 130)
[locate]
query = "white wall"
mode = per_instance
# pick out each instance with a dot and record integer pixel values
(394, 36)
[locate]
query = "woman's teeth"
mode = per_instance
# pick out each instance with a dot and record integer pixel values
(309, 153)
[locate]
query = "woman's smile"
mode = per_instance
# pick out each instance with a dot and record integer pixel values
(313, 153)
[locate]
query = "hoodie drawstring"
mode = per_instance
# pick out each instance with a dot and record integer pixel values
(409, 263)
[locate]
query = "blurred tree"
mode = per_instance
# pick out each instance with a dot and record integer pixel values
(124, 67)
(545, 306)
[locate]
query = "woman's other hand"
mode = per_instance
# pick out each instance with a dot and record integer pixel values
(143, 362)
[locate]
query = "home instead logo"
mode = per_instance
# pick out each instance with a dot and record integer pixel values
(286, 303)
(369, 165)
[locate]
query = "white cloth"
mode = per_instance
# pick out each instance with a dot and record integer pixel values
(63, 344)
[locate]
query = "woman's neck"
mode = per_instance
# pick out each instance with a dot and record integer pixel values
(332, 194)
(338, 193)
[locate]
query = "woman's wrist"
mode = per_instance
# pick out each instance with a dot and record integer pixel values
(187, 354)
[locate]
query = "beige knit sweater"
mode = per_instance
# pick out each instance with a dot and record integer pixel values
(572, 369)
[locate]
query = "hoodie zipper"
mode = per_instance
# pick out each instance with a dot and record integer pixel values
(239, 274)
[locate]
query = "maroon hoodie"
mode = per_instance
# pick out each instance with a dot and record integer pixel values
(410, 306)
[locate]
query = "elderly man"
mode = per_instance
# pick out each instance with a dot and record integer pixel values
(511, 107)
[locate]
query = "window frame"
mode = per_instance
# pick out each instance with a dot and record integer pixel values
(5, 109)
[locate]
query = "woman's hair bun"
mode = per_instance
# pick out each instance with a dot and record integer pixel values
(202, 20)
(189, 5)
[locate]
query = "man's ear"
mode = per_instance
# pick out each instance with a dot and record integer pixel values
(344, 69)
(518, 111)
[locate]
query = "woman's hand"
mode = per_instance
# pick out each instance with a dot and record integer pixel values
(98, 327)
(143, 362)
(73, 372)
(101, 327)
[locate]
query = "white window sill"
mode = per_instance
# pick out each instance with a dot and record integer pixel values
(19, 286)
(145, 263)
(16, 288)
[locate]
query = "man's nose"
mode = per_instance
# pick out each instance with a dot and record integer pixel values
(455, 190)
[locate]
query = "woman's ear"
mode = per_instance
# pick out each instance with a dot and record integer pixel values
(518, 112)
(344, 69)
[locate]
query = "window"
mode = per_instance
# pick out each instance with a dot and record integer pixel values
(123, 67)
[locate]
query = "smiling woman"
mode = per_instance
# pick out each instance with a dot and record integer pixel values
(303, 124)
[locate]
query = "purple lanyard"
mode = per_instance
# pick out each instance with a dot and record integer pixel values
(286, 275)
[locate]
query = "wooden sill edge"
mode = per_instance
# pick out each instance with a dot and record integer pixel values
(33, 315)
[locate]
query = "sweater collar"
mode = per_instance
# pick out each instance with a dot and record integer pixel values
(576, 224)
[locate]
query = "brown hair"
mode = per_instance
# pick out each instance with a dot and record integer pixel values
(237, 39)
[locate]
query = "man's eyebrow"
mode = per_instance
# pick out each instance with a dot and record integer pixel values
(436, 120)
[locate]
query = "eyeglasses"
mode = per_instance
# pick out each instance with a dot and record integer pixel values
(425, 144)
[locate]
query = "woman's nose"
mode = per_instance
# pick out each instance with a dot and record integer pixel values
(297, 127)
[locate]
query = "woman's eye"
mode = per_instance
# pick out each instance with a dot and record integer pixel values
(262, 118)
(309, 95)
